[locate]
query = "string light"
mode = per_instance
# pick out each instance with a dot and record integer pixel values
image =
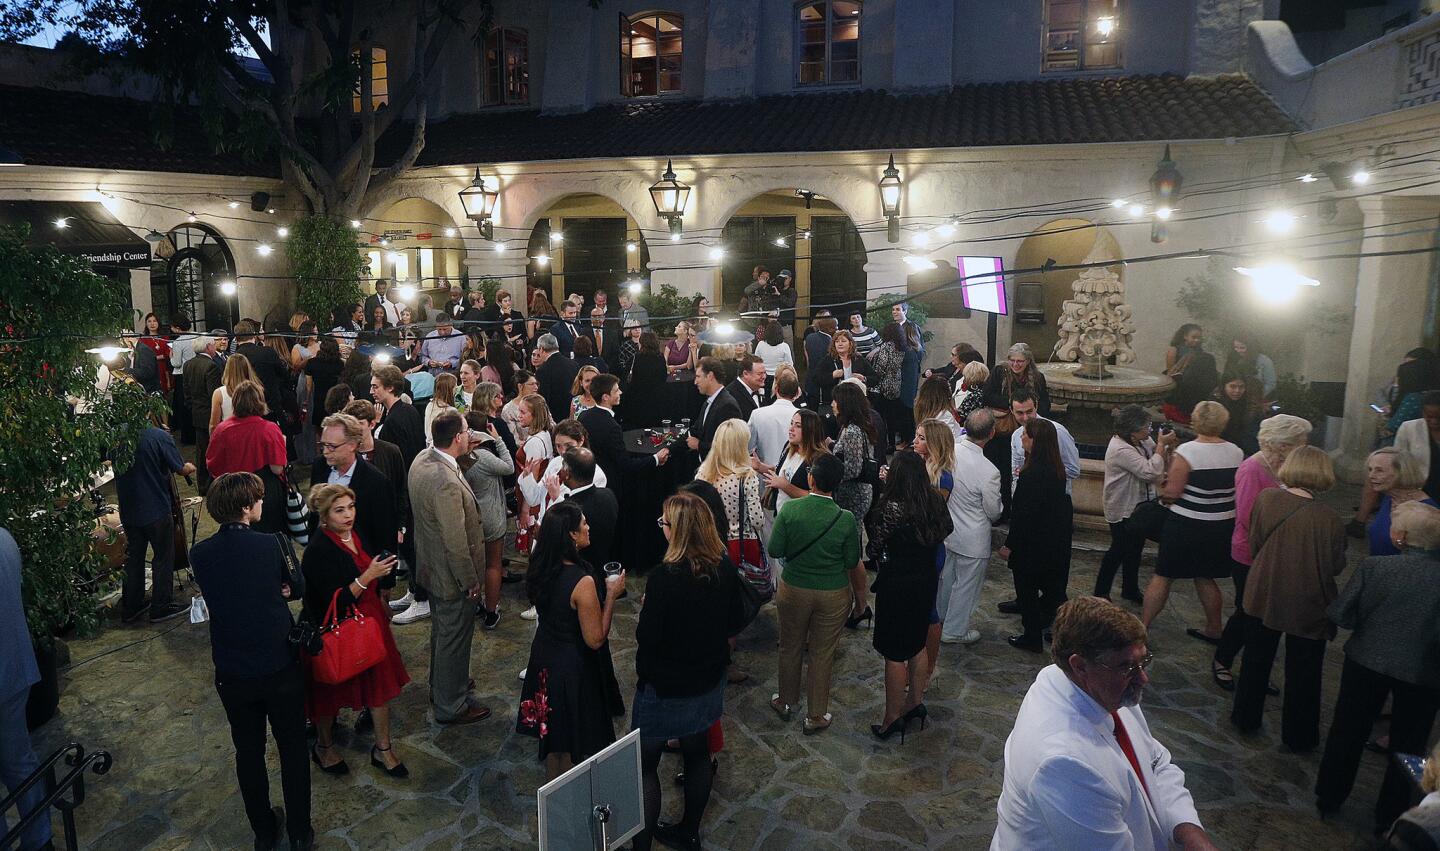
(392, 256)
(780, 241)
(191, 218)
(717, 253)
(381, 358)
(1279, 221)
(1163, 213)
(234, 205)
(556, 236)
(674, 237)
(264, 249)
(1360, 177)
(541, 259)
(1118, 203)
(1307, 177)
(62, 222)
(946, 230)
(1137, 210)
(631, 247)
(355, 224)
(228, 287)
(499, 247)
(634, 287)
(282, 231)
(407, 291)
(1276, 281)
(450, 232)
(271, 211)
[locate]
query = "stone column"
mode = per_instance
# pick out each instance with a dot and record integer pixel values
(686, 266)
(1390, 299)
(508, 265)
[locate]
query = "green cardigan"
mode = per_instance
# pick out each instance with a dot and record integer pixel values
(825, 564)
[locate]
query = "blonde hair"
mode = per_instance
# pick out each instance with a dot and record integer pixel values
(483, 399)
(539, 412)
(354, 432)
(1308, 467)
(940, 447)
(1409, 475)
(1283, 430)
(729, 453)
(297, 319)
(1209, 418)
(237, 370)
(445, 390)
(975, 373)
(322, 497)
(1419, 522)
(693, 536)
(1430, 780)
(577, 386)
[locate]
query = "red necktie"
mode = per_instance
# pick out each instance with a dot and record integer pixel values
(1124, 739)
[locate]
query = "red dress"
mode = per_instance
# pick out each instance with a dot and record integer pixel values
(161, 347)
(375, 687)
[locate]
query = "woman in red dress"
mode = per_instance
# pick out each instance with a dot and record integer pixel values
(336, 560)
(155, 339)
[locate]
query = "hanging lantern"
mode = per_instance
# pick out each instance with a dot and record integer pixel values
(670, 197)
(478, 199)
(890, 199)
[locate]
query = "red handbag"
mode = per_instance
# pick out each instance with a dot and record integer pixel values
(352, 646)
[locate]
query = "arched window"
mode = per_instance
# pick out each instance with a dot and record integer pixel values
(505, 67)
(189, 281)
(827, 48)
(650, 50)
(379, 78)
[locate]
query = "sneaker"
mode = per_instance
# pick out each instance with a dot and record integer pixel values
(168, 612)
(416, 611)
(523, 671)
(403, 603)
(530, 614)
(490, 620)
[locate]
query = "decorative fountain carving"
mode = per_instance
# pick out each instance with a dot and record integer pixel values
(1095, 324)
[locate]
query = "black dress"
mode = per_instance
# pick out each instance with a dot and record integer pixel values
(564, 701)
(1039, 541)
(907, 582)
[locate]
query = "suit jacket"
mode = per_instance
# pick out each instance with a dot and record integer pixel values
(555, 377)
(607, 441)
(145, 368)
(566, 333)
(723, 408)
(404, 427)
(602, 510)
(18, 670)
(1390, 603)
(377, 516)
(609, 343)
(974, 501)
(824, 372)
(272, 372)
(386, 458)
(449, 537)
(1069, 785)
(741, 394)
(202, 377)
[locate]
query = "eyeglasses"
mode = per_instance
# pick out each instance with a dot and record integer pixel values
(332, 446)
(1132, 670)
(661, 522)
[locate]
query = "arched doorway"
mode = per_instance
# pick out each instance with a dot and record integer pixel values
(583, 243)
(189, 280)
(1036, 298)
(414, 241)
(800, 231)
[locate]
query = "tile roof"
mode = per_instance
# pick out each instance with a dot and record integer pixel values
(1160, 107)
(66, 128)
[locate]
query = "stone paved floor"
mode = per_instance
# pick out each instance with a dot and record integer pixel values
(146, 695)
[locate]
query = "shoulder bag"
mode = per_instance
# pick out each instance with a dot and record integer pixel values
(750, 560)
(351, 646)
(297, 513)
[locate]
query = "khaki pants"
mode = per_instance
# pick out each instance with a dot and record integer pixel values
(816, 618)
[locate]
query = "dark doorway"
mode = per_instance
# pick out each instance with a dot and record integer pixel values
(751, 241)
(837, 265)
(596, 255)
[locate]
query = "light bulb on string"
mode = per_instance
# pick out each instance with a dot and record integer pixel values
(1163, 213)
(717, 253)
(541, 259)
(946, 230)
(264, 248)
(674, 237)
(381, 358)
(1360, 177)
(355, 224)
(919, 263)
(1118, 203)
(191, 218)
(1136, 210)
(450, 232)
(62, 222)
(228, 288)
(407, 291)
(1276, 281)
(234, 205)
(780, 242)
(1307, 177)
(1279, 221)
(920, 239)
(282, 231)
(556, 236)
(499, 248)
(631, 247)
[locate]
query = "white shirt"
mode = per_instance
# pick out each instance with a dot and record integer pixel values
(769, 429)
(448, 459)
(709, 400)
(1069, 786)
(535, 493)
(1069, 454)
(974, 501)
(773, 356)
(339, 478)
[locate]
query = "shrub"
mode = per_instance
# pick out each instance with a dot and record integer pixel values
(326, 265)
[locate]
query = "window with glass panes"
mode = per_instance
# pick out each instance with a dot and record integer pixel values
(837, 264)
(650, 53)
(828, 42)
(379, 79)
(1081, 35)
(506, 71)
(752, 241)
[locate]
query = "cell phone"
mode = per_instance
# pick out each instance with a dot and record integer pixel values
(384, 554)
(1377, 409)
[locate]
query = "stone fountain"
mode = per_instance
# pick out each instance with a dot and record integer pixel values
(1096, 328)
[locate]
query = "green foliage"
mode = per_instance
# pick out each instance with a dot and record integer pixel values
(1221, 300)
(326, 265)
(47, 454)
(668, 302)
(1294, 396)
(878, 313)
(488, 286)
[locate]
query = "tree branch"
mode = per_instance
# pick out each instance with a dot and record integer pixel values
(412, 153)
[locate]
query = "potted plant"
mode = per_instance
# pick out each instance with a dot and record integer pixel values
(53, 308)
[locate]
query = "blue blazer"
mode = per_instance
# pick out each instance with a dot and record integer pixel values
(17, 657)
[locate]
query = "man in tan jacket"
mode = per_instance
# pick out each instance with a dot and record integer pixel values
(450, 549)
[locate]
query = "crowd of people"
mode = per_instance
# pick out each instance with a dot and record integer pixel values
(831, 474)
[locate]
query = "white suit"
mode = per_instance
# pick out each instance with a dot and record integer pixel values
(974, 504)
(1068, 784)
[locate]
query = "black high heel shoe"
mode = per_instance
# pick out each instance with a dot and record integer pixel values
(867, 617)
(920, 711)
(337, 769)
(896, 726)
(399, 771)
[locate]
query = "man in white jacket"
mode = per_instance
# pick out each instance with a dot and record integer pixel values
(1081, 767)
(974, 504)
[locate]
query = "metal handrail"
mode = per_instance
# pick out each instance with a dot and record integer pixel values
(73, 782)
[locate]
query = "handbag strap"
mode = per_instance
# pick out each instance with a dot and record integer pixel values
(329, 621)
(1276, 527)
(287, 552)
(815, 540)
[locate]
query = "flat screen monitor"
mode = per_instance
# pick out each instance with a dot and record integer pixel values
(982, 283)
(610, 778)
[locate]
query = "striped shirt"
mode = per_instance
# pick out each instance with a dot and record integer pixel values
(1210, 489)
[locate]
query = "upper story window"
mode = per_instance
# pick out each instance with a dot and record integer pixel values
(650, 46)
(379, 78)
(1082, 35)
(506, 67)
(828, 42)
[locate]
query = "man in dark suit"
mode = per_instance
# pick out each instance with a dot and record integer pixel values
(567, 329)
(605, 334)
(376, 505)
(556, 375)
(455, 307)
(402, 425)
(718, 406)
(381, 299)
(599, 505)
(272, 372)
(607, 440)
(748, 388)
(202, 378)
